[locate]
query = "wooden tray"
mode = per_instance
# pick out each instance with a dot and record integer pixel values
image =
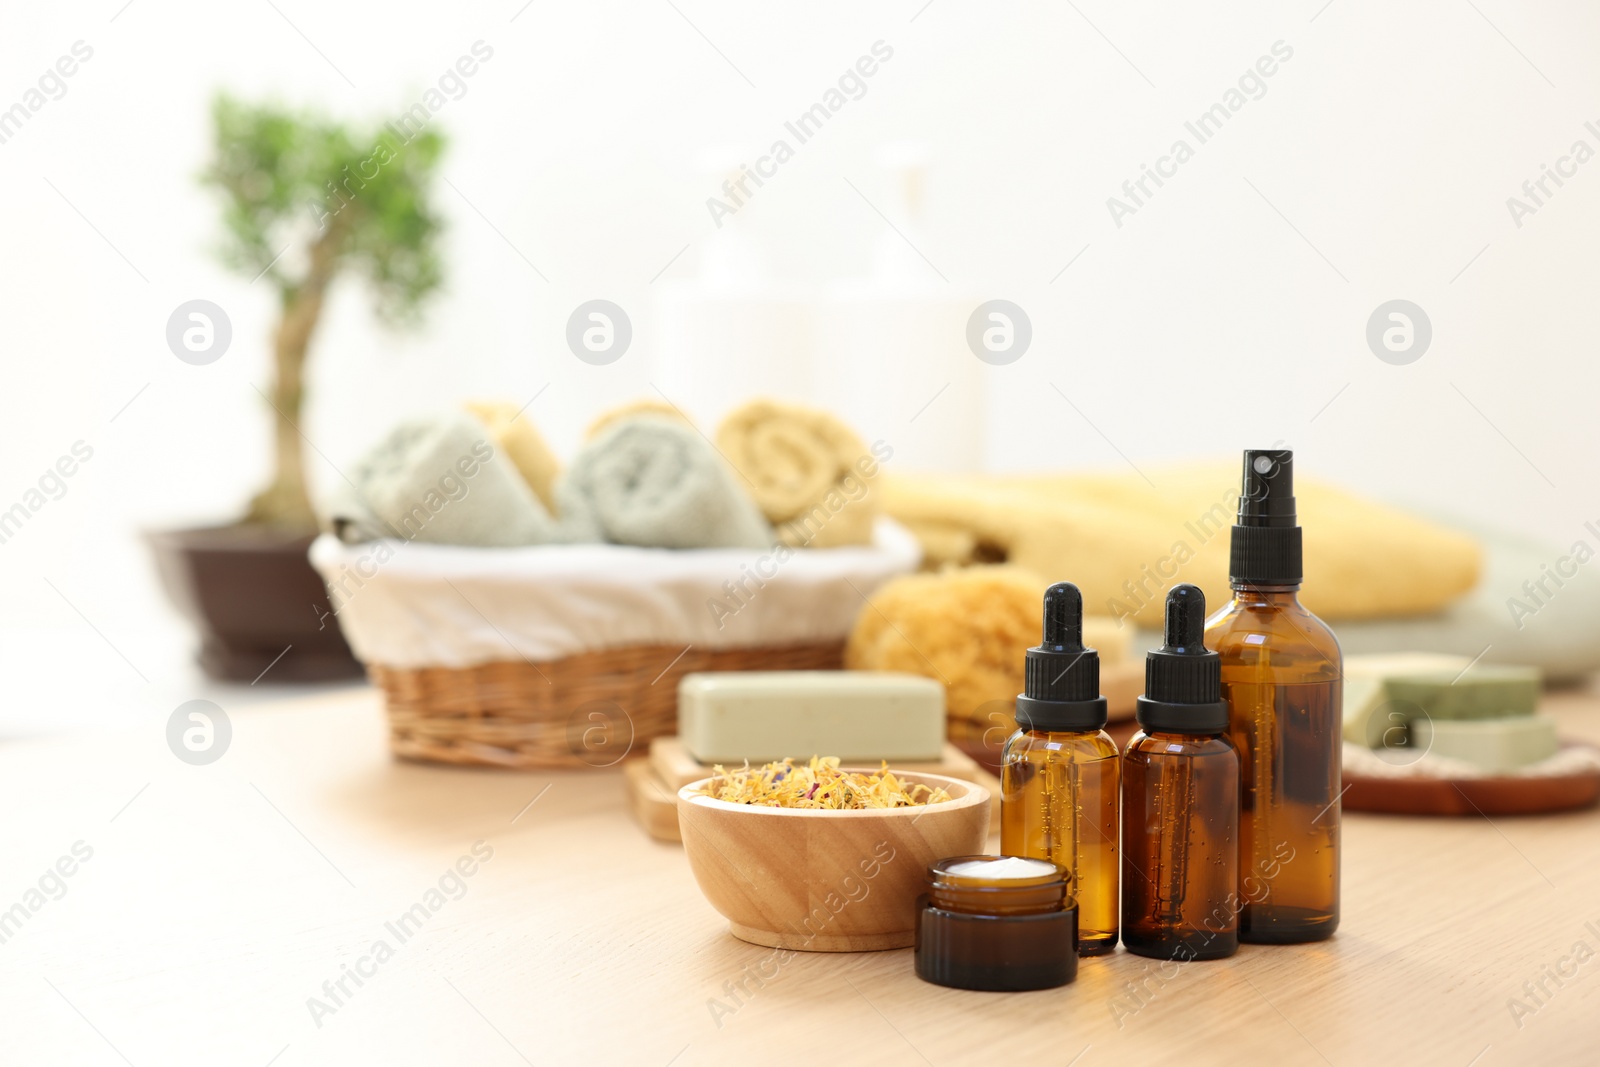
(1473, 796)
(652, 803)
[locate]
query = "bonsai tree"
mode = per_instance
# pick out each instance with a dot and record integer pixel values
(306, 199)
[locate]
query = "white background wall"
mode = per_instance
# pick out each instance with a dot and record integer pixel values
(1229, 311)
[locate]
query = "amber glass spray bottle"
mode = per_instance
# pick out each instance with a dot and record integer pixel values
(1059, 778)
(1281, 676)
(1180, 801)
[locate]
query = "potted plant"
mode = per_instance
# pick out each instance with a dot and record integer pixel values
(305, 201)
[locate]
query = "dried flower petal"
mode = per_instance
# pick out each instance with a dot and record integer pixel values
(818, 784)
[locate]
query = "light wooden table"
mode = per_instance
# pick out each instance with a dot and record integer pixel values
(219, 899)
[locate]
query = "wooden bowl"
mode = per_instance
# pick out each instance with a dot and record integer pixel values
(826, 881)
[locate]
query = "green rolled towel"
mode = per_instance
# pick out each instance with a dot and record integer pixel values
(439, 480)
(655, 482)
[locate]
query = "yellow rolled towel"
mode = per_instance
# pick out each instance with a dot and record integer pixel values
(522, 445)
(944, 545)
(1125, 543)
(810, 473)
(643, 406)
(968, 628)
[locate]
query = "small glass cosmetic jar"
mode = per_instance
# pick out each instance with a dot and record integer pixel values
(999, 923)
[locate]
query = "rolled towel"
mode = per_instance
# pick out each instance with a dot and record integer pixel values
(811, 474)
(345, 514)
(655, 482)
(519, 441)
(1124, 542)
(439, 480)
(643, 406)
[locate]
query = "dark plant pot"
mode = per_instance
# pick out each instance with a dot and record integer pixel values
(252, 593)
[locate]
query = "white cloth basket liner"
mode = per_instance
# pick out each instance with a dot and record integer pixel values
(410, 604)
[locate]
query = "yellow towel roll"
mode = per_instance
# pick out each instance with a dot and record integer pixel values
(1125, 543)
(811, 474)
(521, 443)
(642, 406)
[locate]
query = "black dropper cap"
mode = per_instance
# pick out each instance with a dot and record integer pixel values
(1182, 680)
(1061, 681)
(1266, 538)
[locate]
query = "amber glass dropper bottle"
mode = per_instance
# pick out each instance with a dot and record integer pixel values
(1281, 676)
(1180, 801)
(1059, 775)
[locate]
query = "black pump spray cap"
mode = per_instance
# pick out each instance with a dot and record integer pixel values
(1182, 679)
(1061, 688)
(1266, 538)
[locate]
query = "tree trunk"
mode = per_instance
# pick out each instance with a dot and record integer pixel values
(285, 501)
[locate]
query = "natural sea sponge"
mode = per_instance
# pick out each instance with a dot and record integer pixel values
(968, 628)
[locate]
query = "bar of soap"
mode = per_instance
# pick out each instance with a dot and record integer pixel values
(1502, 744)
(1480, 693)
(760, 716)
(1370, 718)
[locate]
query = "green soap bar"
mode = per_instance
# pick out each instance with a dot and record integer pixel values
(1480, 693)
(1490, 744)
(1370, 717)
(760, 716)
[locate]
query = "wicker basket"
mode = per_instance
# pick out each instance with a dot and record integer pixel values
(588, 710)
(569, 656)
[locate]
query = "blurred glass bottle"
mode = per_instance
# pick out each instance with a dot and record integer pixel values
(891, 355)
(1281, 676)
(729, 304)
